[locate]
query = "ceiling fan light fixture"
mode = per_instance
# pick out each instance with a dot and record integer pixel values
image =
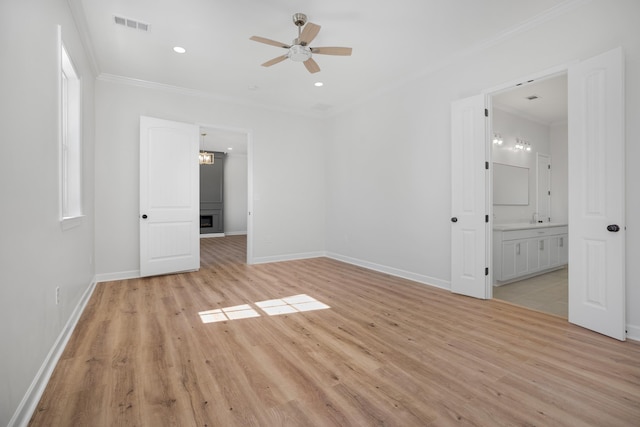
(299, 50)
(299, 53)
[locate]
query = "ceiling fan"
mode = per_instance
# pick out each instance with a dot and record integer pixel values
(299, 50)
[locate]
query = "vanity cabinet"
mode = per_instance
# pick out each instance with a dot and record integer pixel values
(525, 250)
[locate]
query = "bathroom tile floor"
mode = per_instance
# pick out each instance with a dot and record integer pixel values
(547, 292)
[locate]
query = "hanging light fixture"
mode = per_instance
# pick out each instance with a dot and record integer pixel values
(204, 157)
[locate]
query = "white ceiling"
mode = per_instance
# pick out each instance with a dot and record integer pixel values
(548, 108)
(226, 141)
(391, 41)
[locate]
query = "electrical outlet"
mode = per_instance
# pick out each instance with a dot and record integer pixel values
(57, 295)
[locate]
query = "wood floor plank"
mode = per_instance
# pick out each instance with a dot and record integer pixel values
(387, 352)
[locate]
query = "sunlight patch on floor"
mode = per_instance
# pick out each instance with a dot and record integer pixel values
(229, 313)
(293, 304)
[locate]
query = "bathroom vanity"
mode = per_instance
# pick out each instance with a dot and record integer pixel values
(525, 250)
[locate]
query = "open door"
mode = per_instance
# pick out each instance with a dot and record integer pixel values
(596, 194)
(169, 197)
(469, 220)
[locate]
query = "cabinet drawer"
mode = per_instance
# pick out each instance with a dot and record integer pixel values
(533, 232)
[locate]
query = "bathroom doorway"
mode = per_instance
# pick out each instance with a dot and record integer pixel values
(530, 181)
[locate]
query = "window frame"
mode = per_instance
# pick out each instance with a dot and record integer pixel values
(70, 139)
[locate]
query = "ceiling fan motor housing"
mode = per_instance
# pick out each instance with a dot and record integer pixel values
(299, 53)
(299, 19)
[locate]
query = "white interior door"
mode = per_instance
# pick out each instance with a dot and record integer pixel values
(543, 187)
(469, 227)
(596, 194)
(169, 197)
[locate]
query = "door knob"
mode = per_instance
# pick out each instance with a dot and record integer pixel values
(454, 219)
(613, 228)
(144, 216)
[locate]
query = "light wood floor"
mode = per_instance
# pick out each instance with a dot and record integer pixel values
(388, 352)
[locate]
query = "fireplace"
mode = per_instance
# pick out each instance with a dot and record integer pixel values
(206, 221)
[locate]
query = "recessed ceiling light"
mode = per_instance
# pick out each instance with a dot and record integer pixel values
(318, 84)
(230, 148)
(179, 49)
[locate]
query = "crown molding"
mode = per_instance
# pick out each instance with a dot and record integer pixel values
(531, 23)
(113, 78)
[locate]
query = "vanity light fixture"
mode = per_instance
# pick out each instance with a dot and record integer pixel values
(522, 145)
(205, 158)
(497, 139)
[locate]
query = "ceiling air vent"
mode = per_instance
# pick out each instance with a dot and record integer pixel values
(131, 23)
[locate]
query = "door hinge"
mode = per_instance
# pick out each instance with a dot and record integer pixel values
(486, 271)
(486, 218)
(486, 165)
(486, 112)
(549, 193)
(548, 166)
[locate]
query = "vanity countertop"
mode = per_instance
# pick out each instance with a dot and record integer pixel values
(526, 226)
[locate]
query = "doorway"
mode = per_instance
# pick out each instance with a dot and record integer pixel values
(233, 146)
(530, 138)
(596, 179)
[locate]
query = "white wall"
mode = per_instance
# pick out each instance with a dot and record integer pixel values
(374, 179)
(510, 127)
(288, 172)
(235, 194)
(36, 256)
(388, 164)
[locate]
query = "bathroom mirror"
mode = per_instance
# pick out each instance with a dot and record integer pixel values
(510, 185)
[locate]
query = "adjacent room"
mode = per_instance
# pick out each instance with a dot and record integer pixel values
(530, 200)
(319, 213)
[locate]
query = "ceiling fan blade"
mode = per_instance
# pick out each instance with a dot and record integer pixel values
(309, 32)
(342, 51)
(269, 41)
(312, 66)
(274, 61)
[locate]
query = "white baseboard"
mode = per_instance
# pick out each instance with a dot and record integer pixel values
(226, 233)
(288, 257)
(425, 280)
(119, 275)
(633, 332)
(31, 398)
(209, 235)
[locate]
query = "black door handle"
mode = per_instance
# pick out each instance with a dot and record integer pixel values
(454, 219)
(613, 228)
(144, 216)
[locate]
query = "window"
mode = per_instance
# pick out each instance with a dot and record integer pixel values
(70, 141)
